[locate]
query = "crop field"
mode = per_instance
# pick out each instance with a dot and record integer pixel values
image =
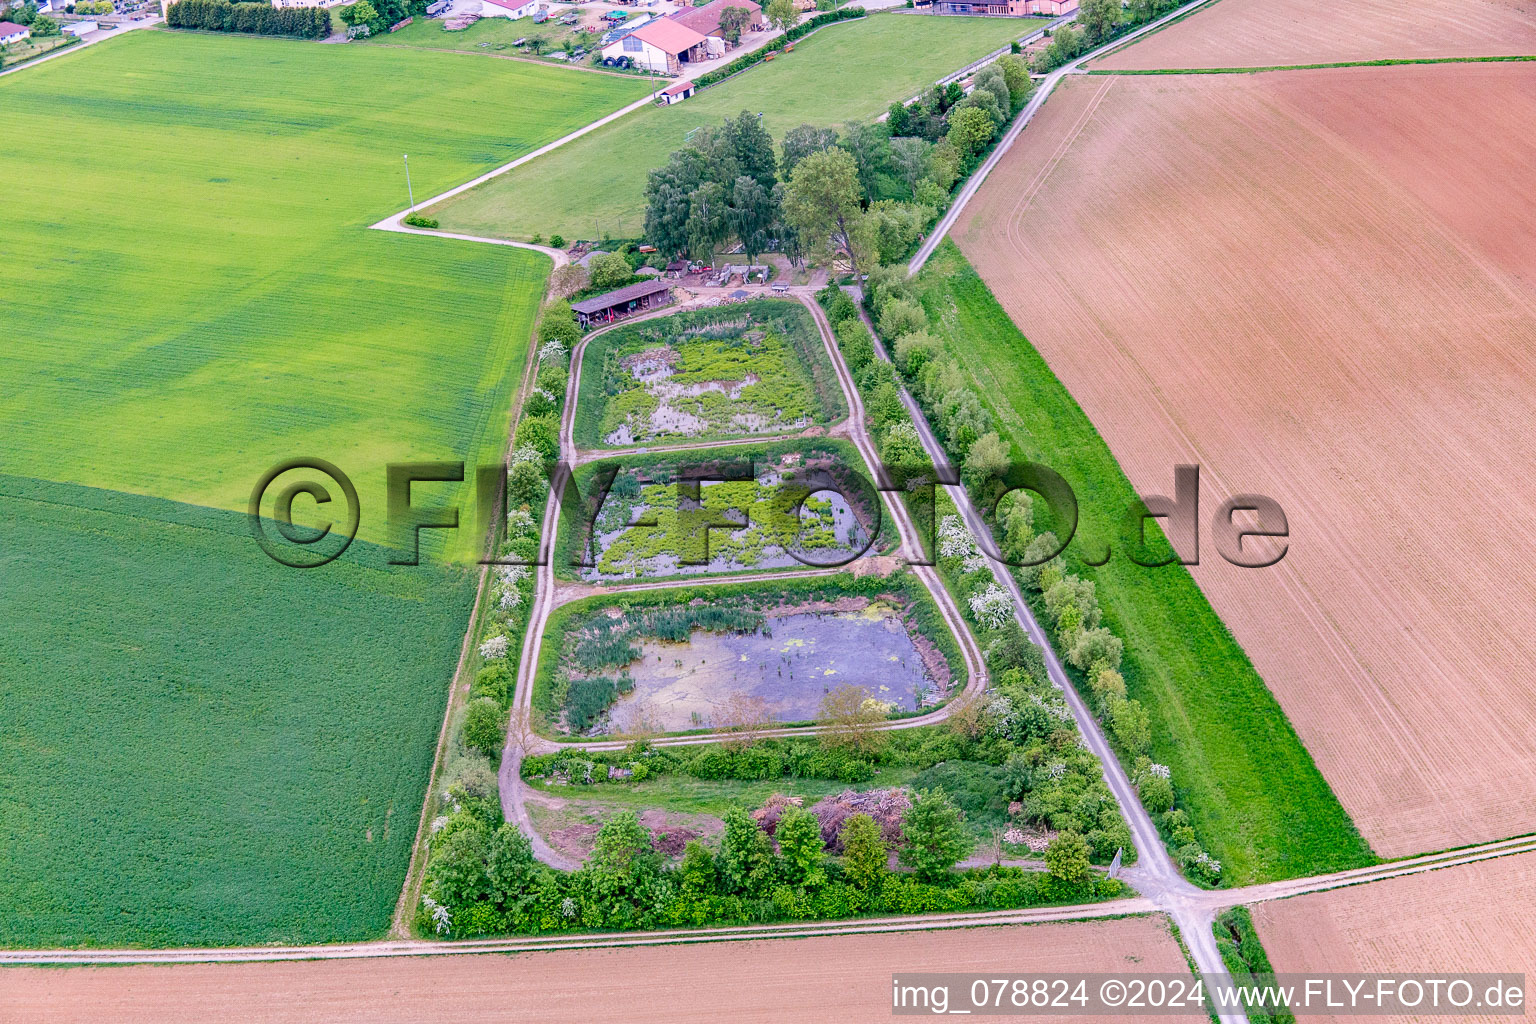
(1252, 792)
(719, 373)
(1265, 33)
(202, 299)
(838, 980)
(1355, 341)
(851, 71)
(203, 747)
(1474, 917)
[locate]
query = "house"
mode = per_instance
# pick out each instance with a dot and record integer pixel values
(10, 32)
(706, 20)
(663, 46)
(677, 92)
(80, 28)
(632, 298)
(513, 9)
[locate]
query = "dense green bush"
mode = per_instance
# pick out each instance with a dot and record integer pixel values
(258, 18)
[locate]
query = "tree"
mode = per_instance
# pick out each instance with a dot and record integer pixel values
(485, 727)
(970, 128)
(902, 453)
(800, 848)
(623, 849)
(510, 864)
(745, 863)
(1131, 724)
(732, 21)
(745, 717)
(869, 145)
(708, 222)
(935, 839)
(360, 13)
(1067, 858)
(697, 871)
(988, 457)
(800, 143)
(43, 26)
(910, 158)
(610, 270)
(901, 316)
(751, 147)
(898, 119)
(864, 853)
(1016, 76)
(781, 14)
(825, 204)
(943, 165)
(1098, 19)
(991, 80)
(850, 717)
(751, 214)
(456, 875)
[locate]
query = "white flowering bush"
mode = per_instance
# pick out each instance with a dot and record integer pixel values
(438, 823)
(548, 395)
(1160, 770)
(511, 597)
(441, 919)
(527, 453)
(992, 606)
(520, 523)
(954, 538)
(495, 647)
(568, 908)
(552, 350)
(974, 562)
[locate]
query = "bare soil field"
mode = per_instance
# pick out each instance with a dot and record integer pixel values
(1265, 33)
(839, 980)
(1470, 918)
(1320, 286)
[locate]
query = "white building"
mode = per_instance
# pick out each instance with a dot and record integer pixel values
(513, 9)
(663, 46)
(10, 32)
(80, 28)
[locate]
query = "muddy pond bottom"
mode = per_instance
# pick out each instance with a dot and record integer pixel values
(791, 665)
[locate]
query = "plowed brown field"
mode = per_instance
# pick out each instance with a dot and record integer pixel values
(1264, 33)
(1472, 918)
(1321, 286)
(839, 980)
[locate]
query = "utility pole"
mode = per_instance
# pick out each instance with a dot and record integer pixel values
(408, 190)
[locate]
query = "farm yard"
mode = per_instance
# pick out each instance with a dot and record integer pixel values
(846, 72)
(1472, 916)
(219, 749)
(844, 978)
(1381, 283)
(1268, 33)
(709, 375)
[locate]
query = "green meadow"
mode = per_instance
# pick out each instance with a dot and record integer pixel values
(1252, 791)
(202, 746)
(850, 71)
(192, 292)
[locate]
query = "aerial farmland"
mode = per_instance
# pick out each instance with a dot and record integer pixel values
(534, 509)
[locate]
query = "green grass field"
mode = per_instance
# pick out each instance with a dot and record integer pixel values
(192, 290)
(1252, 791)
(849, 71)
(202, 746)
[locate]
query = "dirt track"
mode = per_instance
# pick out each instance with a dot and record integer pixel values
(1263, 33)
(1472, 918)
(839, 980)
(1319, 286)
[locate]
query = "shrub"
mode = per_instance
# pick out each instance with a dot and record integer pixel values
(416, 220)
(485, 727)
(557, 241)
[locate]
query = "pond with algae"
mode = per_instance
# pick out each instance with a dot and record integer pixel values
(791, 663)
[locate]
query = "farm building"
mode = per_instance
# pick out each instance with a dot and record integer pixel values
(677, 92)
(10, 32)
(513, 9)
(622, 302)
(664, 46)
(618, 32)
(706, 20)
(80, 29)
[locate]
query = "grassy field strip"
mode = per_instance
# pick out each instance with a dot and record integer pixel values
(852, 72)
(1256, 797)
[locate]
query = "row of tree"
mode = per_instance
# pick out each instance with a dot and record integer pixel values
(256, 18)
(1098, 22)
